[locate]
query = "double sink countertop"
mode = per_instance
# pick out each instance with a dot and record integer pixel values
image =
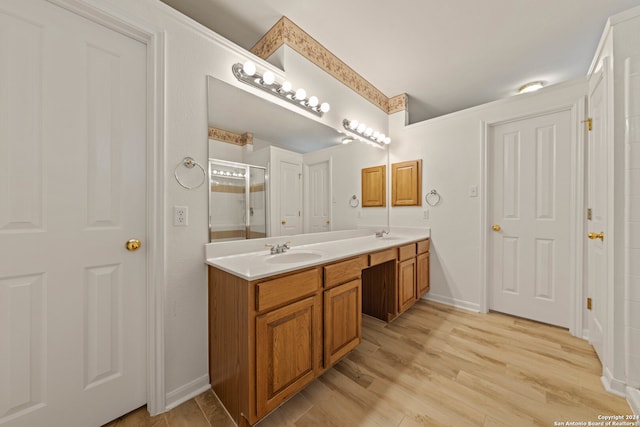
(252, 260)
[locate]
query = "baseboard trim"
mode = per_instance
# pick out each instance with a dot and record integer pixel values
(466, 305)
(187, 391)
(633, 397)
(613, 385)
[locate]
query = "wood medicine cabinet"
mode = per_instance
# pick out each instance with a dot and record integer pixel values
(374, 186)
(406, 183)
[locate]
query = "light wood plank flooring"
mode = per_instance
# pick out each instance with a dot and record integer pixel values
(437, 366)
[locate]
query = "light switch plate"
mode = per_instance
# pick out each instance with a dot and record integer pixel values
(473, 191)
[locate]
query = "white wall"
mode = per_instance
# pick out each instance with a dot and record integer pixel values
(451, 151)
(191, 53)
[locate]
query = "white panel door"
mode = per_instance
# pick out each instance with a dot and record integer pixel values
(529, 190)
(72, 192)
(319, 197)
(597, 201)
(290, 198)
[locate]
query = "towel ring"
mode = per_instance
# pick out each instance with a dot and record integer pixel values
(432, 198)
(189, 163)
(354, 202)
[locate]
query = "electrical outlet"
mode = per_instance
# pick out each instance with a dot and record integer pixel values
(180, 216)
(425, 214)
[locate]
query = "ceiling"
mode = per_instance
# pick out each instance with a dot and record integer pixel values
(446, 55)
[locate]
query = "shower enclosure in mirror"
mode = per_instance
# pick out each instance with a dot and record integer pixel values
(237, 201)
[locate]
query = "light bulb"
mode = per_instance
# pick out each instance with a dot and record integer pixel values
(376, 135)
(361, 127)
(387, 140)
(286, 86)
(268, 78)
(249, 68)
(353, 124)
(368, 132)
(301, 94)
(381, 137)
(325, 107)
(313, 101)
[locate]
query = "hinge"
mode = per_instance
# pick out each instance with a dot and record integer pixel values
(589, 214)
(589, 304)
(589, 123)
(299, 213)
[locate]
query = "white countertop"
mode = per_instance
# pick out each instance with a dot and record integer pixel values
(251, 260)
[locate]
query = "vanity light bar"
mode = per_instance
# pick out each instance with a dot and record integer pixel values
(248, 74)
(364, 132)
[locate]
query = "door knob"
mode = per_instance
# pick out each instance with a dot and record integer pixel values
(328, 222)
(283, 222)
(496, 227)
(133, 245)
(594, 236)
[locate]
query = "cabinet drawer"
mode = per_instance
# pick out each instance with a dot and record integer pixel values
(423, 246)
(406, 252)
(382, 256)
(287, 288)
(344, 271)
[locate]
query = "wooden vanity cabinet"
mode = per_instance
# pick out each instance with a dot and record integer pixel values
(270, 337)
(342, 308)
(422, 266)
(407, 273)
(413, 273)
(288, 339)
(265, 339)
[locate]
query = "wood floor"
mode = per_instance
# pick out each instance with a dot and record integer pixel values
(437, 366)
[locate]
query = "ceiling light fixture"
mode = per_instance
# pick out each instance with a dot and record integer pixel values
(530, 87)
(247, 73)
(365, 133)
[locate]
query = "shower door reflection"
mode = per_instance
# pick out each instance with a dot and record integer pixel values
(237, 201)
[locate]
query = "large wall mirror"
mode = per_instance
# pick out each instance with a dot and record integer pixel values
(274, 172)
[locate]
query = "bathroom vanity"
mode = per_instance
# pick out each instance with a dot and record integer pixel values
(277, 321)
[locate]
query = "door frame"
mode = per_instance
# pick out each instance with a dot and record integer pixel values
(153, 38)
(576, 209)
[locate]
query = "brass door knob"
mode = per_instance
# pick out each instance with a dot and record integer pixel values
(594, 236)
(283, 222)
(496, 227)
(328, 222)
(133, 245)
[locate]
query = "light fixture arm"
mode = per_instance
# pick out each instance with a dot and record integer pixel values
(256, 80)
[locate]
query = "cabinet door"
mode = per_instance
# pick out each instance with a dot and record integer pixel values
(422, 262)
(406, 183)
(342, 320)
(287, 351)
(406, 284)
(374, 187)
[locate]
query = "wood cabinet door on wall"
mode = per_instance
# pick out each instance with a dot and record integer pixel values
(342, 320)
(374, 186)
(406, 183)
(422, 262)
(406, 284)
(288, 341)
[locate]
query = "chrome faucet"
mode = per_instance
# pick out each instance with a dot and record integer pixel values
(381, 233)
(278, 249)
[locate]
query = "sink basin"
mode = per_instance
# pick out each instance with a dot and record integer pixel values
(387, 238)
(293, 257)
